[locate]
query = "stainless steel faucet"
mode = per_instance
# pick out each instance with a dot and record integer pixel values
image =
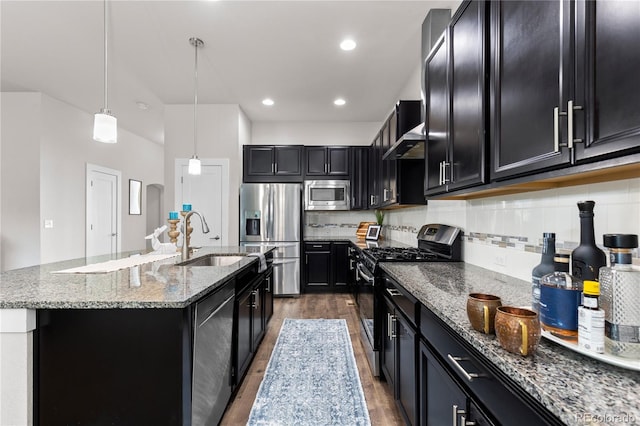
(185, 245)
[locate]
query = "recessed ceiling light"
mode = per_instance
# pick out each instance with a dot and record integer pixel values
(142, 105)
(267, 102)
(348, 44)
(339, 102)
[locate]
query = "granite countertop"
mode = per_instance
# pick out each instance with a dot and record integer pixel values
(358, 242)
(161, 284)
(569, 385)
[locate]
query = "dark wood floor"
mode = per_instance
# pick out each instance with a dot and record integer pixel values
(382, 409)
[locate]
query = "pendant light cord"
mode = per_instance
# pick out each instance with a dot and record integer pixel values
(195, 102)
(106, 103)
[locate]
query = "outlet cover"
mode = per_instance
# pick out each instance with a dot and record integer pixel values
(48, 223)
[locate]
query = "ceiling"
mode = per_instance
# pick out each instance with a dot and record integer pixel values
(286, 50)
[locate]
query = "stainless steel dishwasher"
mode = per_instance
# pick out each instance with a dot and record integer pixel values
(212, 357)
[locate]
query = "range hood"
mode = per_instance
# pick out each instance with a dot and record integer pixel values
(409, 146)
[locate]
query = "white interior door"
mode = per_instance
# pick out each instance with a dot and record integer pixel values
(208, 194)
(103, 221)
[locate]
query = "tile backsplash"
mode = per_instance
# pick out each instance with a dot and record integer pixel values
(504, 233)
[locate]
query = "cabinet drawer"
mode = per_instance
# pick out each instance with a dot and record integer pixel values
(490, 388)
(319, 246)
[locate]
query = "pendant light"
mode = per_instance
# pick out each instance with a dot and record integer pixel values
(105, 124)
(195, 166)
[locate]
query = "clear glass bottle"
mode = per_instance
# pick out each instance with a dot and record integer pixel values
(587, 258)
(591, 319)
(620, 297)
(543, 268)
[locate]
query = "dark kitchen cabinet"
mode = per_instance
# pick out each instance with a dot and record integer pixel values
(399, 342)
(250, 323)
(327, 162)
(607, 86)
(360, 178)
(272, 163)
(317, 266)
(340, 264)
(531, 67)
(327, 266)
(456, 383)
(455, 88)
(375, 172)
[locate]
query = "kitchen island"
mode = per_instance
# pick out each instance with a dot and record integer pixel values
(96, 340)
(574, 388)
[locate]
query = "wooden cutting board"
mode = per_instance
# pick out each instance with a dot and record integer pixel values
(361, 232)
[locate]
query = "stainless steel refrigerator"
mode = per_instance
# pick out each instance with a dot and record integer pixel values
(271, 215)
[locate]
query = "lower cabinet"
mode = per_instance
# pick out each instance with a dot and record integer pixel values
(399, 342)
(326, 267)
(458, 386)
(250, 324)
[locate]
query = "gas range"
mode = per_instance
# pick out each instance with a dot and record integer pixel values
(436, 243)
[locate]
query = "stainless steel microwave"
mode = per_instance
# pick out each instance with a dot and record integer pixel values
(327, 195)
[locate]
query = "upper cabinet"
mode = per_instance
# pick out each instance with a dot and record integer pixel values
(324, 162)
(563, 81)
(455, 81)
(530, 69)
(391, 181)
(360, 177)
(262, 163)
(606, 89)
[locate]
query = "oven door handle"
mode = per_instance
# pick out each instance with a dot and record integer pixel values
(364, 276)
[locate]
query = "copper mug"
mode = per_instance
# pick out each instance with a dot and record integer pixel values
(517, 329)
(481, 310)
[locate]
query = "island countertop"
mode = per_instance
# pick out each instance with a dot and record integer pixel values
(160, 284)
(575, 388)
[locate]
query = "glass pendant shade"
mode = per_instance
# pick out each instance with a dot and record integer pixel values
(195, 167)
(105, 127)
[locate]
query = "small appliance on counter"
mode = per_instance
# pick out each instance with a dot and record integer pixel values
(436, 243)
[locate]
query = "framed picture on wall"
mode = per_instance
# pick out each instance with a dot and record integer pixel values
(373, 232)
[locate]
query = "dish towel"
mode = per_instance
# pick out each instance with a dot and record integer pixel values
(263, 261)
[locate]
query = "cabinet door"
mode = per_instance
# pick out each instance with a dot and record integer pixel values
(258, 160)
(288, 161)
(388, 360)
(244, 338)
(607, 85)
(466, 162)
(406, 360)
(318, 270)
(440, 396)
(338, 161)
(315, 161)
(257, 322)
(530, 42)
(360, 178)
(375, 172)
(437, 117)
(340, 256)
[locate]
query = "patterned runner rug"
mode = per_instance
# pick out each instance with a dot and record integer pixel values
(312, 378)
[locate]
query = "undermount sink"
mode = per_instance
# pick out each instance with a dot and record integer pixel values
(212, 260)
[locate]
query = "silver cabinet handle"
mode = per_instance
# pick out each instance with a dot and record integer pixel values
(466, 423)
(389, 325)
(455, 413)
(394, 319)
(445, 179)
(217, 237)
(570, 127)
(393, 292)
(273, 168)
(456, 364)
(556, 128)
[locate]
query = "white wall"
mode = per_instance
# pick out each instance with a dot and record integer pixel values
(58, 135)
(219, 129)
(314, 133)
(21, 130)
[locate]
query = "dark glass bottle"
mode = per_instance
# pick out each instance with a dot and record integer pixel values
(561, 262)
(587, 258)
(545, 267)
